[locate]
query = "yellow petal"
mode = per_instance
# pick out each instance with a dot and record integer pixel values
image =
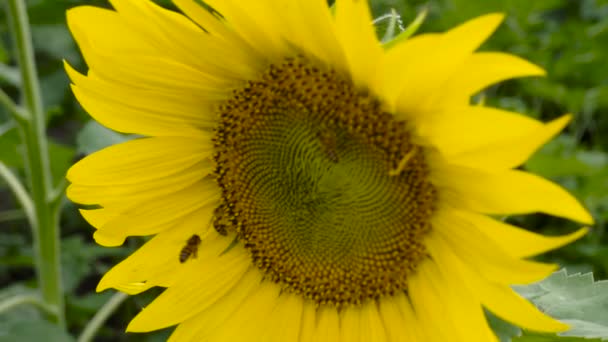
(519, 242)
(454, 233)
(139, 160)
(128, 34)
(510, 306)
(201, 326)
(458, 43)
(249, 322)
(481, 70)
(397, 66)
(209, 21)
(150, 77)
(411, 321)
(372, 327)
(127, 116)
(357, 36)
(464, 310)
(512, 152)
(128, 195)
(257, 22)
(99, 217)
(83, 22)
(327, 328)
(213, 24)
(350, 324)
(364, 323)
(176, 36)
(309, 318)
(457, 130)
(399, 327)
(107, 220)
(285, 320)
(318, 40)
(428, 307)
(202, 281)
(498, 298)
(161, 213)
(506, 192)
(123, 118)
(157, 261)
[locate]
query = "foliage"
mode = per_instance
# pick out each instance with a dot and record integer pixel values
(568, 38)
(573, 299)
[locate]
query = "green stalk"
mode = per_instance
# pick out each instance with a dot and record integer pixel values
(22, 299)
(45, 227)
(101, 316)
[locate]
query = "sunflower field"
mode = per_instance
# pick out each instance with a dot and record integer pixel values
(304, 170)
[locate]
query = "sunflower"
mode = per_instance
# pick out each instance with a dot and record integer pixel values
(303, 182)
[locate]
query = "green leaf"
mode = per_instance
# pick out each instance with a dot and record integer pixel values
(89, 303)
(78, 259)
(20, 313)
(573, 299)
(61, 157)
(11, 149)
(94, 137)
(32, 331)
(502, 329)
(551, 338)
(54, 40)
(13, 290)
(10, 75)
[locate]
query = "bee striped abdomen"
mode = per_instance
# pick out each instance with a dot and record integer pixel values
(190, 249)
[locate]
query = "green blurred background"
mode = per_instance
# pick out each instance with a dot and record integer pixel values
(569, 38)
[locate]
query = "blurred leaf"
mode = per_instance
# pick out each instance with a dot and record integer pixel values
(18, 314)
(552, 338)
(54, 87)
(4, 57)
(79, 257)
(61, 158)
(502, 329)
(32, 331)
(10, 75)
(573, 299)
(13, 290)
(51, 12)
(15, 251)
(10, 145)
(93, 137)
(54, 40)
(91, 302)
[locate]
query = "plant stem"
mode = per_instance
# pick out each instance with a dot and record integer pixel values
(17, 112)
(101, 316)
(45, 228)
(20, 193)
(22, 299)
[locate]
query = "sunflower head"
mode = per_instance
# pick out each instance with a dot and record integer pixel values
(295, 172)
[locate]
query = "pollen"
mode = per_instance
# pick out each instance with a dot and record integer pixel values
(325, 188)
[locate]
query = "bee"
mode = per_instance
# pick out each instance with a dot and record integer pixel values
(220, 220)
(190, 249)
(329, 144)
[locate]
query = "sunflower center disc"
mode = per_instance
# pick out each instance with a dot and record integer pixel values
(326, 190)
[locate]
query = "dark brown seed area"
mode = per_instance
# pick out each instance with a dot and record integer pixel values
(325, 189)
